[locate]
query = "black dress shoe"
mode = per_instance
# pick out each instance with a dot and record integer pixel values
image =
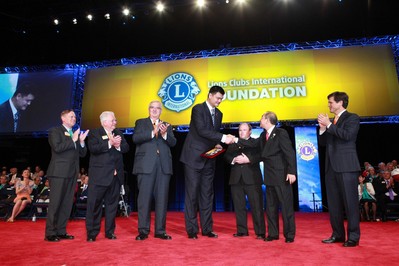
(111, 236)
(163, 236)
(260, 237)
(142, 237)
(65, 236)
(192, 236)
(333, 239)
(289, 240)
(210, 234)
(350, 243)
(91, 239)
(240, 234)
(271, 238)
(52, 239)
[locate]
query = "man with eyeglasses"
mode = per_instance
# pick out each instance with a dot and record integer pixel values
(153, 167)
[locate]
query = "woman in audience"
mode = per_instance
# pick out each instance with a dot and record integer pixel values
(366, 197)
(23, 189)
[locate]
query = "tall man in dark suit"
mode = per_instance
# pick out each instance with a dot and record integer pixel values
(342, 169)
(246, 180)
(206, 121)
(106, 145)
(11, 111)
(279, 164)
(62, 172)
(153, 167)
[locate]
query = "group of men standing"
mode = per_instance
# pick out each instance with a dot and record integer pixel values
(153, 167)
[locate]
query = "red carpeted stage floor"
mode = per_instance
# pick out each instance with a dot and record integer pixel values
(23, 244)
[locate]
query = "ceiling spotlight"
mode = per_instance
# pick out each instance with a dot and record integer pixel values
(227, 1)
(74, 21)
(107, 16)
(241, 2)
(126, 11)
(160, 6)
(90, 17)
(56, 22)
(200, 3)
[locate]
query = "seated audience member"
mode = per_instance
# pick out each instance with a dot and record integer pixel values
(395, 174)
(386, 192)
(82, 191)
(23, 189)
(366, 198)
(395, 164)
(37, 170)
(43, 195)
(37, 186)
(12, 176)
(3, 187)
(372, 174)
(381, 168)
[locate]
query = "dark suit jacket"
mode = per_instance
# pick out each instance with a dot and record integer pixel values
(340, 142)
(6, 117)
(277, 154)
(250, 172)
(103, 160)
(147, 146)
(202, 136)
(64, 156)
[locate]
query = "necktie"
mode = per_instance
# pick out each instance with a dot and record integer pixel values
(213, 116)
(335, 120)
(267, 136)
(16, 116)
(156, 133)
(391, 196)
(70, 132)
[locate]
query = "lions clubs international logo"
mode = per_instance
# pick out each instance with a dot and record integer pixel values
(307, 151)
(178, 91)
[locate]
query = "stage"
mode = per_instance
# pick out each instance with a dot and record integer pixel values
(23, 244)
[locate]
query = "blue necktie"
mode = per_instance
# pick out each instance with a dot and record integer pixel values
(16, 116)
(213, 116)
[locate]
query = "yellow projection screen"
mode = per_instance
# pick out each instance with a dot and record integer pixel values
(294, 84)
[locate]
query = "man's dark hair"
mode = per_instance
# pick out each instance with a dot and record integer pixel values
(272, 117)
(216, 89)
(340, 96)
(25, 89)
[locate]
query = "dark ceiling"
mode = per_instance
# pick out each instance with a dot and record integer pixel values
(30, 38)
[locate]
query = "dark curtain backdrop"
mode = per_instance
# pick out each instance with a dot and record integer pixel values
(376, 143)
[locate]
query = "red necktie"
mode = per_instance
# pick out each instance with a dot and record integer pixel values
(267, 135)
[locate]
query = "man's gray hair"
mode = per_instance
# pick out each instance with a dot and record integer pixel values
(104, 115)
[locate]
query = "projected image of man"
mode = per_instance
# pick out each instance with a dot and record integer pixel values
(11, 111)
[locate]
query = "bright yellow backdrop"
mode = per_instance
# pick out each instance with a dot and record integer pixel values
(367, 74)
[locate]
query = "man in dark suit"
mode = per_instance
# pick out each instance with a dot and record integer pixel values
(246, 180)
(62, 172)
(279, 164)
(153, 167)
(106, 145)
(206, 121)
(342, 169)
(11, 111)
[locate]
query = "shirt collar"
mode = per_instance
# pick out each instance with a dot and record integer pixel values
(271, 130)
(13, 109)
(209, 106)
(340, 113)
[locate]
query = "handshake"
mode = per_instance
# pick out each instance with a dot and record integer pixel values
(230, 139)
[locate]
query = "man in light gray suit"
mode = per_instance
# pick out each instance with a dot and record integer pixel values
(153, 167)
(342, 169)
